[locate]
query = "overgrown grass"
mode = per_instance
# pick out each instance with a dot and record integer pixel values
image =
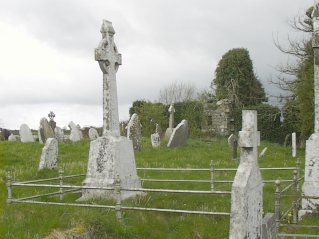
(37, 221)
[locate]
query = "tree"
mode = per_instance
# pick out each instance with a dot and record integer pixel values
(235, 79)
(177, 92)
(297, 78)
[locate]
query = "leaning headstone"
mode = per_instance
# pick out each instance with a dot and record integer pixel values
(170, 128)
(12, 137)
(269, 226)
(134, 131)
(179, 136)
(76, 133)
(49, 155)
(59, 134)
(26, 134)
(233, 143)
(294, 145)
(247, 188)
(310, 187)
(45, 130)
(111, 156)
(263, 152)
(93, 134)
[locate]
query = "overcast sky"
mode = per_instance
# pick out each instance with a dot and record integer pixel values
(47, 50)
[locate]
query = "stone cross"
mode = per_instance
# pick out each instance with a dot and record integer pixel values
(51, 116)
(247, 189)
(171, 111)
(109, 60)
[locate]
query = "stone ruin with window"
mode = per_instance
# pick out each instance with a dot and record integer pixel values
(217, 118)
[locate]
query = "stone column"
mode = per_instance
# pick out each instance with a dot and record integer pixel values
(247, 189)
(171, 111)
(109, 60)
(310, 188)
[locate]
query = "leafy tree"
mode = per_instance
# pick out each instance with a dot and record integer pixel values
(236, 81)
(297, 78)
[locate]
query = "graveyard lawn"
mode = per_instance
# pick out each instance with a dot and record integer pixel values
(38, 221)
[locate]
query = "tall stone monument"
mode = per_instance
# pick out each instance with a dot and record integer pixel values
(310, 188)
(111, 155)
(134, 132)
(170, 128)
(52, 123)
(247, 188)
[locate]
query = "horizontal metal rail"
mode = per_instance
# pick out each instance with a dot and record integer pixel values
(203, 181)
(124, 189)
(284, 235)
(176, 211)
(46, 194)
(208, 169)
(125, 207)
(299, 226)
(51, 179)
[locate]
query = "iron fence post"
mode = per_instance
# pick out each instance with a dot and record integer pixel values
(298, 174)
(61, 175)
(277, 204)
(212, 175)
(117, 189)
(295, 198)
(9, 187)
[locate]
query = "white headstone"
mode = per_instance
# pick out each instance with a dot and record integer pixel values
(247, 188)
(134, 131)
(49, 154)
(263, 152)
(155, 140)
(179, 136)
(93, 134)
(76, 133)
(293, 144)
(110, 155)
(59, 134)
(26, 134)
(12, 137)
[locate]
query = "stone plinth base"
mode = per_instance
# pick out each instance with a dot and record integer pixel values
(111, 156)
(310, 188)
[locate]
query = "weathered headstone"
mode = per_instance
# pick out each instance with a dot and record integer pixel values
(12, 137)
(247, 188)
(170, 128)
(179, 136)
(45, 130)
(52, 123)
(263, 152)
(26, 134)
(294, 145)
(110, 155)
(93, 134)
(310, 187)
(59, 134)
(49, 155)
(76, 133)
(233, 143)
(134, 131)
(269, 226)
(156, 138)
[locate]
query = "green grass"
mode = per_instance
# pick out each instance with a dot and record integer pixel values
(37, 221)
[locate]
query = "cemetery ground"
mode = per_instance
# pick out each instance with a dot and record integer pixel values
(38, 221)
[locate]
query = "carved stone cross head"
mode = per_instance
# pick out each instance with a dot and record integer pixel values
(249, 137)
(106, 53)
(51, 116)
